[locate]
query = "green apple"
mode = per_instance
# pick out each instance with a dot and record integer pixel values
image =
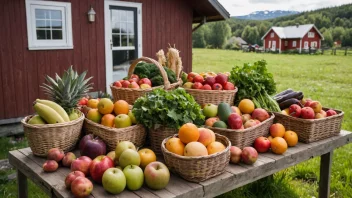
(122, 121)
(121, 147)
(114, 181)
(210, 110)
(133, 119)
(134, 177)
(129, 157)
(156, 175)
(188, 85)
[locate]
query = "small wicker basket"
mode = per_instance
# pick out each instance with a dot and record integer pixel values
(156, 137)
(130, 95)
(111, 136)
(312, 130)
(245, 137)
(197, 169)
(213, 96)
(41, 138)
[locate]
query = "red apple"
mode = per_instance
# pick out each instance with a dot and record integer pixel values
(323, 113)
(81, 187)
(206, 87)
(131, 80)
(83, 101)
(250, 123)
(307, 113)
(221, 79)
(117, 84)
(190, 76)
(316, 106)
(217, 86)
(98, 166)
(68, 159)
(307, 103)
(246, 117)
(50, 166)
(72, 176)
(229, 86)
(133, 85)
(260, 114)
(81, 164)
(55, 154)
(135, 76)
(125, 83)
(197, 85)
(295, 110)
(156, 175)
(209, 80)
(330, 112)
(198, 78)
(234, 121)
(145, 81)
(262, 144)
(92, 147)
(249, 155)
(235, 154)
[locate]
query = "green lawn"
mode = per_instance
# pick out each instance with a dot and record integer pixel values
(325, 78)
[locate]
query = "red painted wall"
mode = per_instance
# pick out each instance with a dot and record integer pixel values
(289, 44)
(316, 38)
(275, 38)
(22, 71)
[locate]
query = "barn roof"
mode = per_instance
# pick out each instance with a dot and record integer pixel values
(295, 31)
(211, 9)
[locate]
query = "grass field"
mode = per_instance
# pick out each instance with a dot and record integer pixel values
(325, 78)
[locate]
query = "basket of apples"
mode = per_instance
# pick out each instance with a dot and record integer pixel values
(135, 86)
(196, 154)
(113, 122)
(242, 124)
(209, 88)
(310, 120)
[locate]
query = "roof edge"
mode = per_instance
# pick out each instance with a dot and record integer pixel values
(217, 5)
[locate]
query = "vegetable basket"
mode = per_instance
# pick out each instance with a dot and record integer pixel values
(312, 130)
(245, 137)
(213, 96)
(41, 138)
(111, 136)
(197, 169)
(156, 137)
(130, 95)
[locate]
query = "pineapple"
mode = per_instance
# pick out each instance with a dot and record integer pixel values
(68, 89)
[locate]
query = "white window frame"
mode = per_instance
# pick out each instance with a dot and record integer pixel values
(311, 34)
(294, 43)
(33, 42)
(305, 45)
(273, 46)
(313, 44)
(286, 43)
(269, 44)
(272, 35)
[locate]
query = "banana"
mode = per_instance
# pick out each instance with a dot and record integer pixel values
(48, 113)
(56, 107)
(36, 120)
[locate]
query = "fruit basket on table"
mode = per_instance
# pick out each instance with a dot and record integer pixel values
(198, 168)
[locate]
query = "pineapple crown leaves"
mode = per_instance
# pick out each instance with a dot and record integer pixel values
(68, 89)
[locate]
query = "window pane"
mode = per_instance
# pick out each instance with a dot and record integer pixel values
(116, 40)
(57, 34)
(43, 35)
(116, 27)
(115, 16)
(123, 15)
(56, 24)
(41, 14)
(122, 59)
(56, 14)
(123, 40)
(123, 28)
(42, 23)
(130, 28)
(130, 16)
(131, 40)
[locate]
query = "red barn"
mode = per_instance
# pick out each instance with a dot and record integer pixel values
(293, 37)
(42, 37)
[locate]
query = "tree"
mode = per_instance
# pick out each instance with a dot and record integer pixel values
(338, 22)
(220, 32)
(328, 41)
(337, 33)
(347, 38)
(251, 34)
(245, 33)
(198, 38)
(262, 29)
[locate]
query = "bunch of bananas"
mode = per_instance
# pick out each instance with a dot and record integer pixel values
(50, 112)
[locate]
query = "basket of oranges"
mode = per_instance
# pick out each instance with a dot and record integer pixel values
(196, 154)
(114, 122)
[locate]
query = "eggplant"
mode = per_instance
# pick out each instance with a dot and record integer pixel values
(288, 96)
(283, 93)
(287, 103)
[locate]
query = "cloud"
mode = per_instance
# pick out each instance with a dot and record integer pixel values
(264, 1)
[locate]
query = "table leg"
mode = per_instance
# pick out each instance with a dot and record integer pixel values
(325, 172)
(22, 185)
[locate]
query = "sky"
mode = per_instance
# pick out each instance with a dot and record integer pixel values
(244, 7)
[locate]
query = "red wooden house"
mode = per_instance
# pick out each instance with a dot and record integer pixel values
(300, 37)
(42, 37)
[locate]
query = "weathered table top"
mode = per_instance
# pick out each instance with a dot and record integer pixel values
(234, 177)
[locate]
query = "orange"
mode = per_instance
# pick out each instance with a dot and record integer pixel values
(291, 138)
(215, 147)
(246, 106)
(188, 133)
(278, 145)
(108, 120)
(174, 145)
(93, 103)
(277, 130)
(121, 107)
(147, 156)
(105, 106)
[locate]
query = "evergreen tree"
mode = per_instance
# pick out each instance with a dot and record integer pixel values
(347, 38)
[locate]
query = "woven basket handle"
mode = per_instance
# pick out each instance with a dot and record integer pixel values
(149, 60)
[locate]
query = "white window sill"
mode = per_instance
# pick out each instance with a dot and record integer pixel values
(50, 48)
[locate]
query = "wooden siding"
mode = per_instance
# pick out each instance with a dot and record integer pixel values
(275, 38)
(22, 71)
(316, 38)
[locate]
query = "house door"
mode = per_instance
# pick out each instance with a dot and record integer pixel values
(123, 38)
(273, 47)
(305, 44)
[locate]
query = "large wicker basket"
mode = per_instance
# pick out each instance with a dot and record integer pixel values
(156, 137)
(312, 130)
(111, 136)
(245, 137)
(213, 96)
(197, 169)
(130, 95)
(41, 138)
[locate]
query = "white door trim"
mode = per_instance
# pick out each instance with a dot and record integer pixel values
(108, 36)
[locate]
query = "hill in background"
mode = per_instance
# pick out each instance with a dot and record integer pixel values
(266, 14)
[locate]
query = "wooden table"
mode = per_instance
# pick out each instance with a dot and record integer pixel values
(29, 166)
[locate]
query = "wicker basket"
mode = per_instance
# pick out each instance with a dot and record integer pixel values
(245, 137)
(197, 169)
(111, 136)
(312, 130)
(130, 95)
(156, 137)
(41, 138)
(213, 96)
